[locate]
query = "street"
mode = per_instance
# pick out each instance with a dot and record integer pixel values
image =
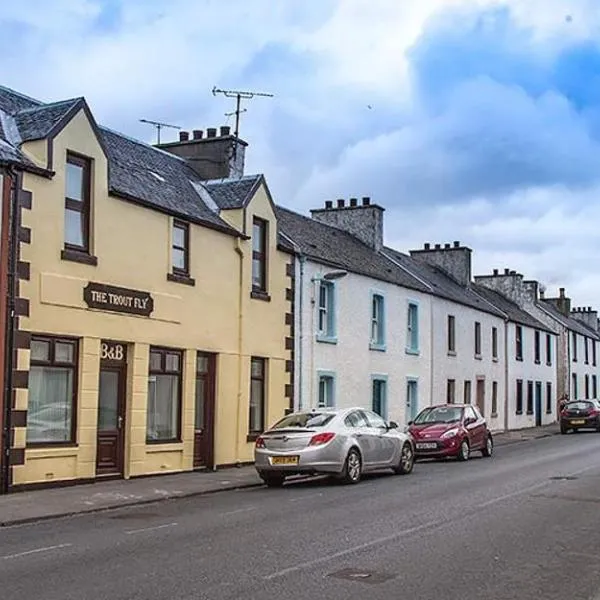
(523, 524)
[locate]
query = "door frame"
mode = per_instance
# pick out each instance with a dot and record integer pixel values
(209, 415)
(480, 382)
(109, 361)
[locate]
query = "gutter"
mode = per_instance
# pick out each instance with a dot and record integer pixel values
(240, 252)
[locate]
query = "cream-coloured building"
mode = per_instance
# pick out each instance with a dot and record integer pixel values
(154, 305)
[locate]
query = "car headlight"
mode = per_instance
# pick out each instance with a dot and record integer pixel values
(450, 433)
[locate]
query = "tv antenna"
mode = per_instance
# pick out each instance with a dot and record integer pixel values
(159, 126)
(238, 95)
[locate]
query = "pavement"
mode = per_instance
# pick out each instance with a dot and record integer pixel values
(522, 524)
(49, 503)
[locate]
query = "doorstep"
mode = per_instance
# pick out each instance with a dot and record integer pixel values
(51, 503)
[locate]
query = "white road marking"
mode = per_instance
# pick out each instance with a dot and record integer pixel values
(131, 531)
(307, 497)
(36, 551)
(239, 510)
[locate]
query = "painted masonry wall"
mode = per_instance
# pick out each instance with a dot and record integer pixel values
(350, 359)
(463, 365)
(579, 368)
(528, 370)
(205, 317)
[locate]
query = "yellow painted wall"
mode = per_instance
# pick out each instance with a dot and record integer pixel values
(133, 249)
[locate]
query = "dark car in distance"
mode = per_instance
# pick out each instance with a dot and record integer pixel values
(451, 430)
(580, 414)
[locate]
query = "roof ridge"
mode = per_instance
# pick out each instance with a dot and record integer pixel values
(223, 180)
(71, 101)
(24, 96)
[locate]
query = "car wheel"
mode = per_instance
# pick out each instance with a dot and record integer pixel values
(464, 451)
(563, 430)
(488, 449)
(407, 460)
(273, 480)
(352, 467)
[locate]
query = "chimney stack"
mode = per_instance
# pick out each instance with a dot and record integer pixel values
(211, 132)
(340, 203)
(197, 134)
(454, 259)
(353, 202)
(328, 204)
(225, 130)
(427, 246)
(366, 201)
(184, 136)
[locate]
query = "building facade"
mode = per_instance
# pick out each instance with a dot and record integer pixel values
(154, 325)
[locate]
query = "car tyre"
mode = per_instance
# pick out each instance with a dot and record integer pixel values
(273, 481)
(488, 449)
(464, 451)
(563, 430)
(407, 460)
(352, 467)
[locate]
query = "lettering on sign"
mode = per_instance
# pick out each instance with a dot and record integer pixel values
(112, 351)
(118, 299)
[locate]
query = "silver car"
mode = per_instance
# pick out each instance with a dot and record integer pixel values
(344, 442)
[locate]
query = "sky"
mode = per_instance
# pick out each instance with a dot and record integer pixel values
(468, 120)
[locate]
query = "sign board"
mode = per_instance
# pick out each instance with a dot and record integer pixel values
(118, 299)
(112, 351)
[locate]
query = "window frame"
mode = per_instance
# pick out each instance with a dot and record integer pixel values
(253, 433)
(548, 397)
(329, 379)
(185, 227)
(377, 320)
(537, 347)
(586, 351)
(574, 345)
(451, 335)
(519, 397)
(494, 343)
(164, 351)
(82, 206)
(52, 340)
(467, 391)
(530, 397)
(548, 349)
(382, 380)
(593, 353)
(451, 391)
(586, 386)
(494, 399)
(575, 387)
(327, 312)
(595, 386)
(261, 255)
(519, 342)
(477, 340)
(412, 328)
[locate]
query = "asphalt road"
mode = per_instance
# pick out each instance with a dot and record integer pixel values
(494, 529)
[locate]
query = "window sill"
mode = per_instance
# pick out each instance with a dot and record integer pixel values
(184, 279)
(252, 437)
(163, 446)
(519, 412)
(478, 357)
(529, 413)
(495, 359)
(412, 351)
(258, 295)
(519, 358)
(51, 450)
(377, 347)
(451, 352)
(548, 364)
(494, 415)
(538, 362)
(325, 339)
(79, 257)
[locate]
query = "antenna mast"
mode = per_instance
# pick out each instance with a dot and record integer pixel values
(159, 126)
(238, 95)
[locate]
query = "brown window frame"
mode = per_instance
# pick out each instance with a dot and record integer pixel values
(477, 334)
(163, 351)
(83, 206)
(451, 334)
(519, 342)
(185, 227)
(260, 255)
(51, 362)
(253, 433)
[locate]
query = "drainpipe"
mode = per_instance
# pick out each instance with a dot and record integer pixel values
(506, 382)
(240, 252)
(13, 223)
(432, 350)
(300, 346)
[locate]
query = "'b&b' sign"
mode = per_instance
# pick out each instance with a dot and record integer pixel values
(112, 351)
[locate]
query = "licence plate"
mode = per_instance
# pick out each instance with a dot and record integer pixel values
(426, 446)
(578, 422)
(285, 460)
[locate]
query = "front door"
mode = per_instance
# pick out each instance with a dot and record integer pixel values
(111, 409)
(538, 403)
(205, 410)
(481, 396)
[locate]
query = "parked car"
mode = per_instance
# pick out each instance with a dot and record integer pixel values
(345, 443)
(580, 414)
(451, 430)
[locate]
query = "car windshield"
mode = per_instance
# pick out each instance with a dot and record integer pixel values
(579, 405)
(304, 419)
(440, 414)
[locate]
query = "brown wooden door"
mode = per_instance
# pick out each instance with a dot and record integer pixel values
(204, 411)
(111, 412)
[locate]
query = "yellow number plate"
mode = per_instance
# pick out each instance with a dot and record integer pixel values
(579, 422)
(284, 460)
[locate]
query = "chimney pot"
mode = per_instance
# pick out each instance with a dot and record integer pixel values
(197, 134)
(366, 201)
(457, 244)
(225, 130)
(589, 309)
(328, 204)
(542, 293)
(446, 246)
(495, 272)
(513, 272)
(184, 136)
(438, 246)
(353, 202)
(211, 132)
(506, 271)
(561, 292)
(427, 246)
(340, 203)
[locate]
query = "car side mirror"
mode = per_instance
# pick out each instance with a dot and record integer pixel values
(411, 423)
(469, 421)
(392, 425)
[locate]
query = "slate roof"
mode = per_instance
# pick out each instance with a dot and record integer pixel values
(37, 123)
(512, 310)
(342, 250)
(233, 193)
(569, 322)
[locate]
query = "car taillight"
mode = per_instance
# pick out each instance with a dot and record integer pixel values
(321, 438)
(593, 413)
(260, 442)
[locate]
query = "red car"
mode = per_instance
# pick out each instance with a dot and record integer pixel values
(453, 430)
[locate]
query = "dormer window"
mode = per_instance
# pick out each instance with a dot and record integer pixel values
(259, 257)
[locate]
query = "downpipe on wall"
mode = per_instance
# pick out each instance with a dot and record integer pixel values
(240, 252)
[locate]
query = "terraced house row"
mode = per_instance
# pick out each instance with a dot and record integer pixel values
(158, 310)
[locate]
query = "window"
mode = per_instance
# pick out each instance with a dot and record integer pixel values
(594, 352)
(379, 396)
(412, 399)
(548, 397)
(259, 255)
(530, 397)
(377, 322)
(180, 251)
(574, 391)
(519, 400)
(451, 391)
(586, 351)
(356, 419)
(163, 421)
(594, 387)
(494, 343)
(51, 408)
(537, 348)
(412, 344)
(548, 349)
(204, 384)
(77, 203)
(574, 345)
(477, 338)
(326, 391)
(326, 320)
(451, 334)
(586, 382)
(519, 343)
(374, 420)
(256, 418)
(467, 392)
(494, 398)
